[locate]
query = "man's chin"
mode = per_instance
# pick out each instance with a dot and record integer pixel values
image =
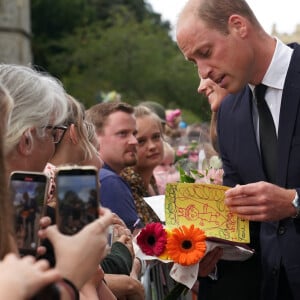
(234, 87)
(131, 162)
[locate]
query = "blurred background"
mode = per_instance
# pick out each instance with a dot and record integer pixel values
(101, 49)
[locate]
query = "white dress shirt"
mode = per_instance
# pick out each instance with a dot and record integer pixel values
(274, 79)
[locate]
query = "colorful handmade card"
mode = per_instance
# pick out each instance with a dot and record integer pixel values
(203, 206)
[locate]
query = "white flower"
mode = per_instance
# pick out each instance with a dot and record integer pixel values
(215, 162)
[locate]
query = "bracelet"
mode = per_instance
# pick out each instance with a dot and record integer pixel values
(71, 288)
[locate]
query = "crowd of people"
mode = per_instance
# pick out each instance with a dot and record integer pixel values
(136, 150)
(33, 105)
(44, 128)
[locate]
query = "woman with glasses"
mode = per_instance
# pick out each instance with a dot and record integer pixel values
(40, 106)
(57, 132)
(34, 128)
(13, 270)
(76, 147)
(79, 146)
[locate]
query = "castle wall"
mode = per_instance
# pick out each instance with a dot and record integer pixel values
(15, 32)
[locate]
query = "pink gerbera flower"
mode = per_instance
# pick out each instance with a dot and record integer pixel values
(152, 239)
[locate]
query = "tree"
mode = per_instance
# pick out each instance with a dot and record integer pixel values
(129, 51)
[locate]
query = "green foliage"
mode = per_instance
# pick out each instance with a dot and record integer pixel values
(190, 117)
(51, 20)
(97, 46)
(184, 177)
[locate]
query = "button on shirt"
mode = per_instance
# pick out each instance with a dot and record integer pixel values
(274, 80)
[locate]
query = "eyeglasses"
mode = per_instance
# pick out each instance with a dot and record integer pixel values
(57, 132)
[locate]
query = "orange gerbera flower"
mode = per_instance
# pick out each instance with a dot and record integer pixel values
(186, 246)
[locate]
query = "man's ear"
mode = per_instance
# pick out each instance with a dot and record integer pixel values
(25, 144)
(238, 24)
(73, 134)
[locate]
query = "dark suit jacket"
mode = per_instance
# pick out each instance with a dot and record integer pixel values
(279, 241)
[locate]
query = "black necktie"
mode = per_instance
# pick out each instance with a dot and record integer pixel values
(267, 134)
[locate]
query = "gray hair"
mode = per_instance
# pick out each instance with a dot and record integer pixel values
(39, 100)
(6, 106)
(6, 226)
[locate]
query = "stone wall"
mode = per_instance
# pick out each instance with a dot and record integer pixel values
(15, 32)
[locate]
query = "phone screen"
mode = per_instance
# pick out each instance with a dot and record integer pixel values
(28, 194)
(77, 196)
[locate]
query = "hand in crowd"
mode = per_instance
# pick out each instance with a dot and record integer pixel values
(137, 268)
(21, 278)
(118, 221)
(96, 288)
(44, 223)
(89, 289)
(123, 235)
(125, 287)
(208, 263)
(260, 201)
(82, 251)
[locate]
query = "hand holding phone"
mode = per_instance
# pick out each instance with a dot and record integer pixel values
(77, 194)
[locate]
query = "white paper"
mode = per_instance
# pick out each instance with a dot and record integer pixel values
(157, 203)
(187, 275)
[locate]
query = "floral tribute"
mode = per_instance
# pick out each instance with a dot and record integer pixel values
(183, 245)
(152, 239)
(186, 246)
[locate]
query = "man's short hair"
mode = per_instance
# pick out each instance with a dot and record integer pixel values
(99, 113)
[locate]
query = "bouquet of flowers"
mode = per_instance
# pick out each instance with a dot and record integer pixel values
(183, 245)
(189, 152)
(211, 172)
(186, 245)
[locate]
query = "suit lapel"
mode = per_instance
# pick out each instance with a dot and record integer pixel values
(288, 115)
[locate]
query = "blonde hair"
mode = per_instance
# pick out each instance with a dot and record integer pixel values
(141, 111)
(92, 135)
(76, 116)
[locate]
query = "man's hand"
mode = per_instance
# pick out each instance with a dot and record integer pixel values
(209, 261)
(260, 201)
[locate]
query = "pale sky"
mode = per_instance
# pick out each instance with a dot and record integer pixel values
(285, 14)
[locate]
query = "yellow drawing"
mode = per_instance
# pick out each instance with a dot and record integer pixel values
(203, 205)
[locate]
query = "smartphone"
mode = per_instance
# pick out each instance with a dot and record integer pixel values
(28, 195)
(77, 194)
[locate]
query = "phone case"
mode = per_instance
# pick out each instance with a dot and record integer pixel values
(77, 194)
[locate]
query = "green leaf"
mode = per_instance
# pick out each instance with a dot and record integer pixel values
(185, 178)
(178, 290)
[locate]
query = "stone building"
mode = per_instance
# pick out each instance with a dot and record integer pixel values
(15, 32)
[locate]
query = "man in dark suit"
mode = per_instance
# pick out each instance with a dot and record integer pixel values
(227, 44)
